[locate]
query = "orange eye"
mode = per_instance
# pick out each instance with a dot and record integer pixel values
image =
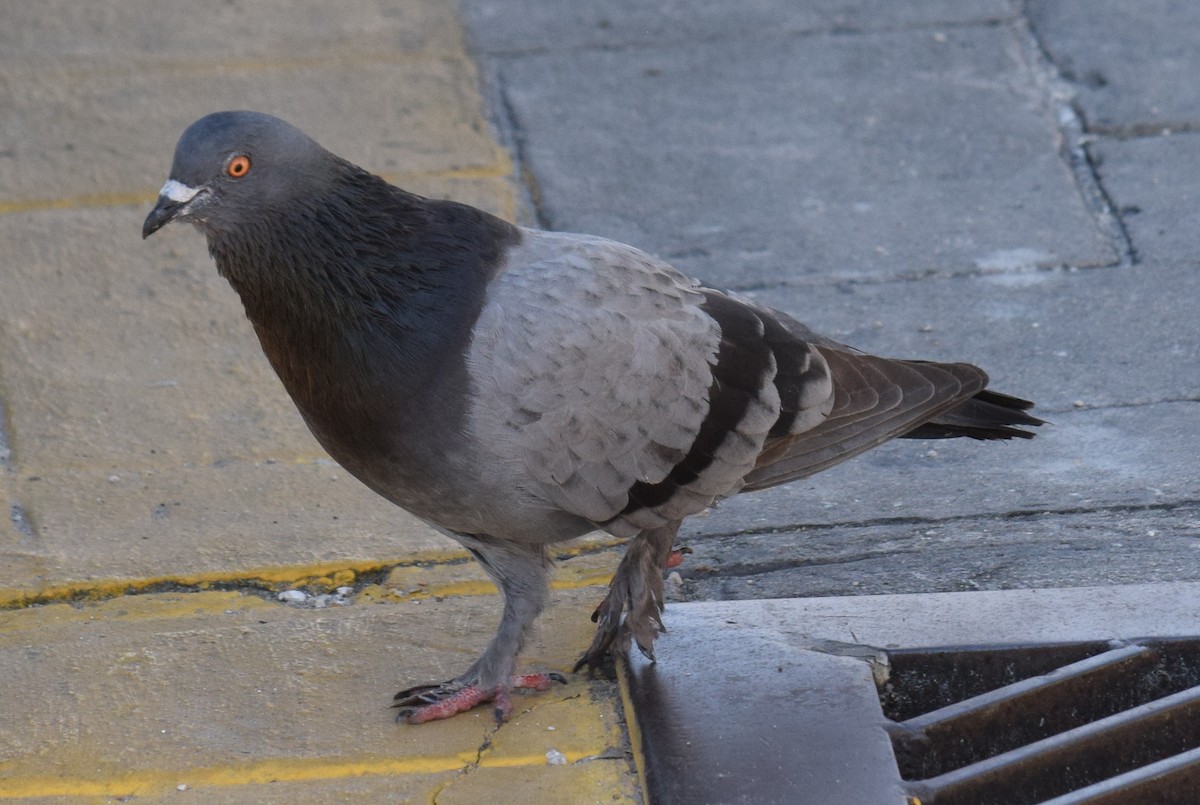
(238, 166)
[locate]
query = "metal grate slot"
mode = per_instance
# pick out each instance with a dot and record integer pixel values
(1120, 718)
(1174, 781)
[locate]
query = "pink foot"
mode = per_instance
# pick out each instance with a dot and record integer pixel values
(434, 702)
(675, 559)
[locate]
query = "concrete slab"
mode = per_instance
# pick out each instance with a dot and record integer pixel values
(1050, 549)
(147, 433)
(82, 149)
(151, 32)
(590, 782)
(138, 695)
(1136, 345)
(18, 563)
(1111, 458)
(10, 537)
(949, 619)
(1132, 65)
(1154, 185)
(136, 355)
(800, 159)
(154, 440)
(498, 26)
(192, 524)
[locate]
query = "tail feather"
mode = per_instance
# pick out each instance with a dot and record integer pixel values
(987, 415)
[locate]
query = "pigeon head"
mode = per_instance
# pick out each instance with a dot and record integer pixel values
(235, 167)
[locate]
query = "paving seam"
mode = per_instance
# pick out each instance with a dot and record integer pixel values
(1075, 136)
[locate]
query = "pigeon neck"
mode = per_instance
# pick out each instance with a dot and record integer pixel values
(367, 286)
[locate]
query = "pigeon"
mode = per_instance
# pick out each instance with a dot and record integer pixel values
(515, 388)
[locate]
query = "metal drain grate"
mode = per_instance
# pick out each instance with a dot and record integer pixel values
(1092, 723)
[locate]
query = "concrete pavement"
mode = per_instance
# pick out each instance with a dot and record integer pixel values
(1008, 183)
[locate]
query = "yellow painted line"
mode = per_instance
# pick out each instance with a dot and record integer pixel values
(150, 782)
(331, 574)
(595, 580)
(476, 587)
(328, 575)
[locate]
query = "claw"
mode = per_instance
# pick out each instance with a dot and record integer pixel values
(537, 681)
(501, 705)
(675, 558)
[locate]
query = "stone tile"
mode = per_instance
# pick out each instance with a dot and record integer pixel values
(138, 695)
(210, 30)
(387, 113)
(1121, 336)
(805, 158)
(1153, 183)
(1133, 64)
(500, 25)
(211, 522)
(130, 353)
(362, 788)
(10, 537)
(1109, 458)
(18, 562)
(598, 782)
(956, 619)
(604, 782)
(133, 361)
(1070, 549)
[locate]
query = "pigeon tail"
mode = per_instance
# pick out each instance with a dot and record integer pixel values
(988, 415)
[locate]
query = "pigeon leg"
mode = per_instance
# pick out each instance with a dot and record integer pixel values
(521, 573)
(636, 589)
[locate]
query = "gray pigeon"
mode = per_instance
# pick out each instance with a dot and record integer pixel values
(516, 388)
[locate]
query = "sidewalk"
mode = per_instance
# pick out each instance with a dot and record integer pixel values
(1008, 183)
(161, 485)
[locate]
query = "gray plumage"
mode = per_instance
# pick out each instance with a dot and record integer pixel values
(517, 388)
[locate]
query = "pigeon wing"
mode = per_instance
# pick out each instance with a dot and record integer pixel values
(603, 374)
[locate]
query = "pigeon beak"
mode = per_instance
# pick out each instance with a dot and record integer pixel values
(173, 199)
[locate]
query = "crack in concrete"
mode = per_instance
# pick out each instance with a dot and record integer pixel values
(5, 449)
(23, 525)
(512, 134)
(472, 766)
(745, 569)
(851, 280)
(1016, 514)
(268, 583)
(1075, 136)
(1137, 131)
